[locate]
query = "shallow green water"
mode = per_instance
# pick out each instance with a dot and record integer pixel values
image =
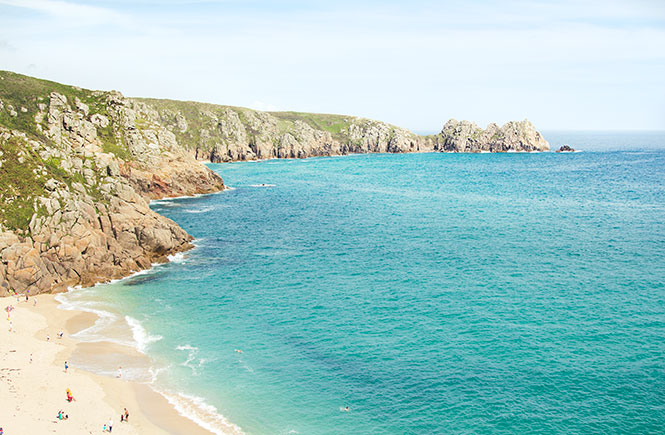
(430, 293)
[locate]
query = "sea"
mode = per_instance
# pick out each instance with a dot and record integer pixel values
(516, 293)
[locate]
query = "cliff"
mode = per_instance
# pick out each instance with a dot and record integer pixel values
(225, 133)
(78, 167)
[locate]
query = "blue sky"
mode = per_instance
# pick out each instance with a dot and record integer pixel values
(587, 65)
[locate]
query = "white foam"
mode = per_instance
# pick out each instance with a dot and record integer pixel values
(94, 333)
(166, 203)
(178, 257)
(141, 336)
(155, 372)
(198, 242)
(262, 185)
(192, 362)
(199, 411)
(200, 210)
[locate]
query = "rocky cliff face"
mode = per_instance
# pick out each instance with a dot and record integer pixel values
(78, 167)
(76, 174)
(224, 133)
(465, 136)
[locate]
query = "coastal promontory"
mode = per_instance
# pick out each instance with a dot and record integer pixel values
(78, 169)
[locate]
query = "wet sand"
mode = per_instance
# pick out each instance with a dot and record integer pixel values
(32, 393)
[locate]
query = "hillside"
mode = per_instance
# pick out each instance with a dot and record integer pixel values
(76, 175)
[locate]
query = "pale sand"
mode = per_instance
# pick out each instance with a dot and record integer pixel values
(31, 394)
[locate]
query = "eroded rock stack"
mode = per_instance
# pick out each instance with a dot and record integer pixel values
(465, 136)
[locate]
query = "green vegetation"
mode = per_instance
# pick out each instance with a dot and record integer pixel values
(195, 115)
(21, 182)
(191, 111)
(334, 124)
(25, 93)
(23, 175)
(120, 151)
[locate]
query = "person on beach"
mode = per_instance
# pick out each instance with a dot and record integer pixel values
(124, 417)
(30, 358)
(66, 366)
(60, 334)
(48, 337)
(110, 425)
(119, 372)
(69, 395)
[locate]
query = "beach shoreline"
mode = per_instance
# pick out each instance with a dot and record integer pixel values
(33, 379)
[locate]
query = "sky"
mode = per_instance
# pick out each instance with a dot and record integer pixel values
(565, 65)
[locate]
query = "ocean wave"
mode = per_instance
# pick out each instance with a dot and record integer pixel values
(92, 333)
(141, 336)
(178, 257)
(95, 333)
(193, 362)
(262, 185)
(156, 371)
(165, 203)
(199, 411)
(192, 407)
(200, 241)
(200, 210)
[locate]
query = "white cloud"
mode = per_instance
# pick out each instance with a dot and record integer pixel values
(563, 65)
(73, 12)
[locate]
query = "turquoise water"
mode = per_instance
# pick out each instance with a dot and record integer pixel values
(430, 293)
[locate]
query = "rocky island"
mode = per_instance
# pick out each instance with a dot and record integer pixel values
(78, 169)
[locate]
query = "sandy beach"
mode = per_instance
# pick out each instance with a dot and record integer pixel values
(33, 381)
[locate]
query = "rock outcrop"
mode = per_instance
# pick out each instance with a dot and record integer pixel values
(231, 133)
(78, 168)
(77, 172)
(565, 149)
(465, 136)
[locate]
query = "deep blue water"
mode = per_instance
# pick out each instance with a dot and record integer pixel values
(430, 293)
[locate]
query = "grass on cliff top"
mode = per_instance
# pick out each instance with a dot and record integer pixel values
(27, 92)
(191, 111)
(333, 124)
